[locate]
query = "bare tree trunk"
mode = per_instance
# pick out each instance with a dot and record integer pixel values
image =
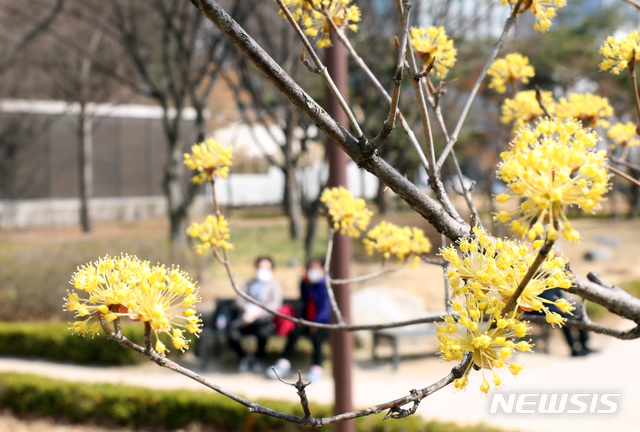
(634, 202)
(85, 165)
(312, 229)
(293, 207)
(176, 199)
(292, 201)
(381, 199)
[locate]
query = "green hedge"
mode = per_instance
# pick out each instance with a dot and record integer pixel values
(54, 341)
(111, 405)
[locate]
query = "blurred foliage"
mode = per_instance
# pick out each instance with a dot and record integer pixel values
(110, 405)
(54, 341)
(632, 287)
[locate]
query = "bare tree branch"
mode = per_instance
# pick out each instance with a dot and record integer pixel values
(454, 136)
(322, 70)
(390, 123)
(31, 35)
(618, 301)
(633, 3)
(417, 199)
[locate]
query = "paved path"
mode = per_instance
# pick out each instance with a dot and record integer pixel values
(613, 369)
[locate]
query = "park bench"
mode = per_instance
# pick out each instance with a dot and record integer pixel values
(393, 337)
(540, 334)
(378, 304)
(214, 338)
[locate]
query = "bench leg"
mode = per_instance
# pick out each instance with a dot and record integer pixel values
(396, 355)
(374, 345)
(206, 344)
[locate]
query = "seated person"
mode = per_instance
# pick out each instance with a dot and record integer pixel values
(316, 307)
(252, 319)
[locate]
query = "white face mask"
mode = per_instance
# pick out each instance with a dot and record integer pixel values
(264, 275)
(315, 275)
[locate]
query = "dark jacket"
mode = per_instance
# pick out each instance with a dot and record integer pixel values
(316, 305)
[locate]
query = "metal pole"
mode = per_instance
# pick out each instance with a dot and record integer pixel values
(341, 341)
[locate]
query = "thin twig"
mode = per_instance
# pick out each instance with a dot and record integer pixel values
(540, 103)
(447, 285)
(632, 333)
(629, 165)
(431, 318)
(433, 260)
(617, 301)
(327, 279)
(390, 123)
(376, 83)
(433, 171)
(632, 72)
(454, 136)
(301, 391)
(456, 372)
(623, 174)
(633, 3)
(307, 419)
(543, 253)
(368, 276)
(169, 364)
(322, 70)
(436, 185)
(466, 193)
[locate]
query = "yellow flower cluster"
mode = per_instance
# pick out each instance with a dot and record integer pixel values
(298, 7)
(213, 233)
(590, 109)
(313, 16)
(402, 242)
(433, 42)
(209, 158)
(126, 286)
(618, 53)
(346, 213)
(491, 347)
(524, 108)
(491, 267)
(544, 10)
(624, 134)
(484, 273)
(512, 68)
(551, 166)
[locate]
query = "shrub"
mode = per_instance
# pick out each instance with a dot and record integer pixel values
(54, 341)
(112, 405)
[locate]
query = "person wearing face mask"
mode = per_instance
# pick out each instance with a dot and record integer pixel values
(316, 307)
(252, 319)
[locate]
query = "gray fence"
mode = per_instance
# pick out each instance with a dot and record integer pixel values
(39, 166)
(39, 147)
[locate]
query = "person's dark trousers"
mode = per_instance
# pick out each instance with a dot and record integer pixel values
(260, 328)
(317, 336)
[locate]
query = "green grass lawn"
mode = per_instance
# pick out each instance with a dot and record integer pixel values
(36, 265)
